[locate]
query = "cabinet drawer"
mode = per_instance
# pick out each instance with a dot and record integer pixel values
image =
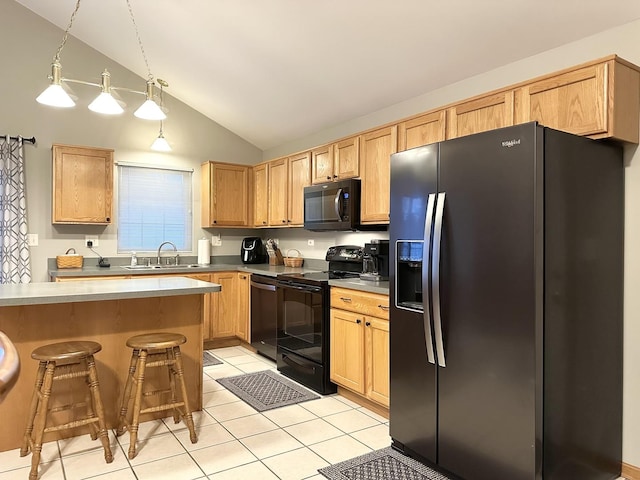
(360, 302)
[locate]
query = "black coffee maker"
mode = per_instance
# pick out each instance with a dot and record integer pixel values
(252, 250)
(375, 261)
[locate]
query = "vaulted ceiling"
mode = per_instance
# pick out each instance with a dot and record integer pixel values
(273, 71)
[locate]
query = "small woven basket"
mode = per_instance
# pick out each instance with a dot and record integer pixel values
(69, 260)
(293, 261)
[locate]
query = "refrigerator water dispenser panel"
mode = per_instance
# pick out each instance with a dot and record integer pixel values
(408, 293)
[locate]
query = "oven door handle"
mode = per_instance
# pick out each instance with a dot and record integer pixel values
(304, 289)
(264, 286)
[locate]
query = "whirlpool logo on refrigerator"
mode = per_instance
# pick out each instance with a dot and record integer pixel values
(511, 143)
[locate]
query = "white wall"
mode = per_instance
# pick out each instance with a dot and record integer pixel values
(623, 41)
(29, 45)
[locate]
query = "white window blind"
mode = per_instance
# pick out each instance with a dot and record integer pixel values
(154, 206)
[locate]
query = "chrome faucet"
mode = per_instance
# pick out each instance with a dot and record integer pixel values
(174, 249)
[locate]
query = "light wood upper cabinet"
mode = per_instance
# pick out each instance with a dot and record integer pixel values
(598, 101)
(243, 328)
(335, 162)
(482, 114)
(82, 185)
(322, 164)
(346, 158)
(225, 195)
(375, 150)
(299, 177)
(261, 195)
(422, 130)
(278, 192)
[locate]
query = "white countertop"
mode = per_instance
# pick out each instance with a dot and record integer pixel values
(98, 290)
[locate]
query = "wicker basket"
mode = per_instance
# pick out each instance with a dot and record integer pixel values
(293, 261)
(69, 260)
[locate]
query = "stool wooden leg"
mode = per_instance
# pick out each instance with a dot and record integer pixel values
(137, 403)
(94, 386)
(24, 449)
(188, 416)
(93, 429)
(41, 419)
(172, 384)
(122, 420)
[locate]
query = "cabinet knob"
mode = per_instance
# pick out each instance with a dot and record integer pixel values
(108, 219)
(358, 321)
(368, 324)
(328, 178)
(288, 221)
(264, 223)
(383, 307)
(284, 221)
(335, 176)
(215, 221)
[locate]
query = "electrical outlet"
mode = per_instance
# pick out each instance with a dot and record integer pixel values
(216, 241)
(276, 241)
(311, 242)
(93, 240)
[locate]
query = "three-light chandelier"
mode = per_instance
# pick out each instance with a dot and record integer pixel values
(56, 96)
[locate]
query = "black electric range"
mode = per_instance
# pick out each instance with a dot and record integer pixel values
(303, 318)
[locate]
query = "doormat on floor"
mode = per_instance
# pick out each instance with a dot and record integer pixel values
(208, 360)
(266, 390)
(384, 464)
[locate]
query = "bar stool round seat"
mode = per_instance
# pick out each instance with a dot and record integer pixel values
(156, 340)
(156, 349)
(64, 361)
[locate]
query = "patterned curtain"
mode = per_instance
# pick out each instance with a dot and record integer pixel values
(14, 253)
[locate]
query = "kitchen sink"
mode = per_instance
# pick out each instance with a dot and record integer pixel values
(160, 267)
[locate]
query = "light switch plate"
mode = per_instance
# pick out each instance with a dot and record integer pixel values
(32, 239)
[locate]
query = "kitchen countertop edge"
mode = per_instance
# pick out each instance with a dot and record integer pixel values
(100, 290)
(260, 269)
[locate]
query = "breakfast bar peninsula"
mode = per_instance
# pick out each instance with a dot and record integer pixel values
(107, 312)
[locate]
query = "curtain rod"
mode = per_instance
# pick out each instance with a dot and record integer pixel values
(31, 140)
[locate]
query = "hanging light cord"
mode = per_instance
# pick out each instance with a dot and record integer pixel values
(135, 26)
(56, 58)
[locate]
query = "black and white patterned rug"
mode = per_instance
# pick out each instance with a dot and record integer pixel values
(209, 360)
(266, 390)
(384, 464)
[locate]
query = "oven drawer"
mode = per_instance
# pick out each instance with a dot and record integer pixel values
(360, 302)
(310, 374)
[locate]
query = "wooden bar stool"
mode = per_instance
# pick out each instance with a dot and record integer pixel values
(154, 350)
(63, 361)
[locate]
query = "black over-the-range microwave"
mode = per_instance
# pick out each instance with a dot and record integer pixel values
(332, 206)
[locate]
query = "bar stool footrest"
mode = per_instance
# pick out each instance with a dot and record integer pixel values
(161, 408)
(74, 424)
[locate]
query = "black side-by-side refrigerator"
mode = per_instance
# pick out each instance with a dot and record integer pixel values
(506, 298)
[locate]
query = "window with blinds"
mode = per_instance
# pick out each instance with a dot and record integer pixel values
(154, 206)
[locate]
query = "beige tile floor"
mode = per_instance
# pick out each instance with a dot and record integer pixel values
(234, 441)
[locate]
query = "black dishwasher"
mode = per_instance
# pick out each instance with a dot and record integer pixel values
(264, 315)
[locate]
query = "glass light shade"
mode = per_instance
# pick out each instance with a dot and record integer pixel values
(105, 103)
(150, 110)
(55, 96)
(160, 144)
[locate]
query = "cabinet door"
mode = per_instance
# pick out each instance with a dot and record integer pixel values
(225, 196)
(224, 305)
(346, 159)
(261, 195)
(82, 185)
(278, 172)
(299, 177)
(574, 102)
(347, 350)
(422, 130)
(377, 359)
(322, 164)
(487, 113)
(375, 152)
(243, 302)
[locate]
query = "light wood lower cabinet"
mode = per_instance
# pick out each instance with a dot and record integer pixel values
(359, 345)
(243, 328)
(224, 307)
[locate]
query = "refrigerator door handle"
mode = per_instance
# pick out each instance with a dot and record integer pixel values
(426, 248)
(435, 277)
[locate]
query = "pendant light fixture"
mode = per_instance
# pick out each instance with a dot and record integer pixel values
(160, 144)
(56, 96)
